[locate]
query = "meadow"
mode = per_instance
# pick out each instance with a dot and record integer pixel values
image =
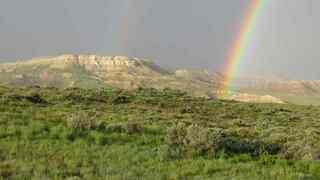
(108, 133)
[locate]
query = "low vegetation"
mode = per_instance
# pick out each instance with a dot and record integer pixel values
(50, 133)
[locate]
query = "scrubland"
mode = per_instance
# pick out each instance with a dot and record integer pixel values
(50, 133)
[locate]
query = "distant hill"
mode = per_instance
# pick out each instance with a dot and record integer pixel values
(304, 88)
(290, 87)
(93, 71)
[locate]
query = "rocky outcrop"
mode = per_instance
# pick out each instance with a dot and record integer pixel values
(84, 60)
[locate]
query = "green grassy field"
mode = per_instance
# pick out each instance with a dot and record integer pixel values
(48, 133)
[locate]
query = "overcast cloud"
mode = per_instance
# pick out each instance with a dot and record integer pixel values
(173, 33)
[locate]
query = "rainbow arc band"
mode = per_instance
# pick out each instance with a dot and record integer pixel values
(235, 55)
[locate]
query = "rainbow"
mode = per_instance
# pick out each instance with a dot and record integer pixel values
(241, 42)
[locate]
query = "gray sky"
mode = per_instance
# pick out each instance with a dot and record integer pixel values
(173, 33)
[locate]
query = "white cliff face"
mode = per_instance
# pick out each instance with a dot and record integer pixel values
(105, 63)
(116, 70)
(94, 61)
(89, 62)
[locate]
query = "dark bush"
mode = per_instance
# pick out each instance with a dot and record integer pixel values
(121, 98)
(212, 140)
(238, 145)
(36, 99)
(132, 128)
(33, 98)
(102, 140)
(2, 155)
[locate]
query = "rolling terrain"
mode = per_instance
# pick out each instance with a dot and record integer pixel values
(92, 71)
(95, 117)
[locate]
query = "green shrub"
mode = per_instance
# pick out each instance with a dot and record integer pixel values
(203, 139)
(82, 121)
(301, 151)
(303, 145)
(176, 135)
(194, 138)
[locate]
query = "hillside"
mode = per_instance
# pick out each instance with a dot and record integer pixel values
(92, 71)
(48, 133)
(289, 87)
(304, 92)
